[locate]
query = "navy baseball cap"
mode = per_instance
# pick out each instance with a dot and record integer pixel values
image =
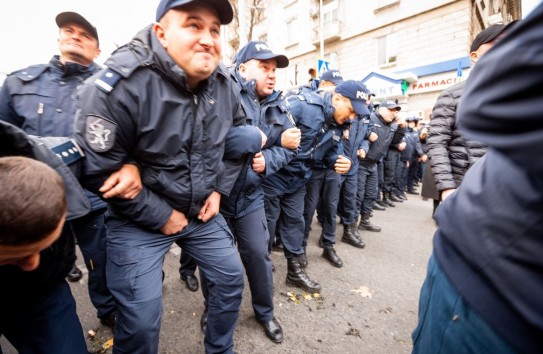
(488, 35)
(412, 119)
(73, 17)
(357, 92)
(390, 104)
(260, 51)
(333, 76)
(222, 7)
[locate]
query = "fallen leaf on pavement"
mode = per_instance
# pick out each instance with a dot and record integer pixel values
(364, 291)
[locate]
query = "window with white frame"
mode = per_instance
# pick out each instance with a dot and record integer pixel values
(387, 49)
(291, 31)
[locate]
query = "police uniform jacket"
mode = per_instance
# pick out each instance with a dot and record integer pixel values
(450, 154)
(490, 238)
(356, 138)
(41, 100)
(388, 134)
(270, 116)
(413, 147)
(321, 141)
(140, 109)
(56, 260)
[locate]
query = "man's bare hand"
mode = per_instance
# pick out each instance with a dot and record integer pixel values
(446, 193)
(342, 165)
(361, 153)
(373, 137)
(291, 138)
(211, 207)
(259, 163)
(175, 224)
(402, 146)
(125, 183)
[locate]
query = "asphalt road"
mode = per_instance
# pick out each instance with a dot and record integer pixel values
(368, 306)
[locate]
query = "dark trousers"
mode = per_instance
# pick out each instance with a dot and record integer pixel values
(367, 188)
(284, 214)
(323, 189)
(187, 265)
(134, 270)
(90, 232)
(390, 163)
(412, 174)
(402, 176)
(251, 233)
(49, 325)
(347, 199)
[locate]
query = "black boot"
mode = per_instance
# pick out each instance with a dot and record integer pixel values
(296, 277)
(387, 201)
(329, 253)
(378, 205)
(367, 225)
(350, 237)
(75, 274)
(392, 197)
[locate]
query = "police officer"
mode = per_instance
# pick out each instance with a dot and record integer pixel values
(388, 132)
(41, 100)
(255, 74)
(356, 145)
(322, 191)
(417, 154)
(320, 117)
(167, 104)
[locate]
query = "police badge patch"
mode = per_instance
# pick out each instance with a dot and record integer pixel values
(99, 133)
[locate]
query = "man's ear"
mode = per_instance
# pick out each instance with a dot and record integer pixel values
(243, 70)
(160, 34)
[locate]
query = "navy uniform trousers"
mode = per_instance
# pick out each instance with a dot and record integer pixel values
(367, 187)
(347, 210)
(322, 189)
(134, 276)
(251, 234)
(284, 206)
(90, 232)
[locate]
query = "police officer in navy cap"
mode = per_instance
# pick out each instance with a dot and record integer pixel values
(166, 104)
(41, 100)
(320, 117)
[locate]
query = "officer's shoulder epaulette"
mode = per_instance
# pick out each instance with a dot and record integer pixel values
(124, 63)
(31, 73)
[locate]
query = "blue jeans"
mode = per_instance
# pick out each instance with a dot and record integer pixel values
(134, 275)
(447, 324)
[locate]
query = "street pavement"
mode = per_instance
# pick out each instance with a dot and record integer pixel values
(367, 306)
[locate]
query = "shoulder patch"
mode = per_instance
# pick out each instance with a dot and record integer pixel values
(31, 73)
(99, 133)
(107, 80)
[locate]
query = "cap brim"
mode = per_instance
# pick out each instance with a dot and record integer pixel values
(222, 7)
(360, 107)
(73, 17)
(282, 61)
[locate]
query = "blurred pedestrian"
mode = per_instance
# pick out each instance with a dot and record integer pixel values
(482, 293)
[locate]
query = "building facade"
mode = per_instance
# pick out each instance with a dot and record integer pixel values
(409, 50)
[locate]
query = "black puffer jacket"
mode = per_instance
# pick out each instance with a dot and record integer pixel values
(450, 154)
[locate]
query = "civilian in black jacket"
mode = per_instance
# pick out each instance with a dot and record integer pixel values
(485, 278)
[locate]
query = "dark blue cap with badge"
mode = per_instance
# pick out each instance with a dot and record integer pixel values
(222, 7)
(357, 92)
(260, 51)
(390, 104)
(333, 76)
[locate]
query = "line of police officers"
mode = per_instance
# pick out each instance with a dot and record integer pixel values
(193, 131)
